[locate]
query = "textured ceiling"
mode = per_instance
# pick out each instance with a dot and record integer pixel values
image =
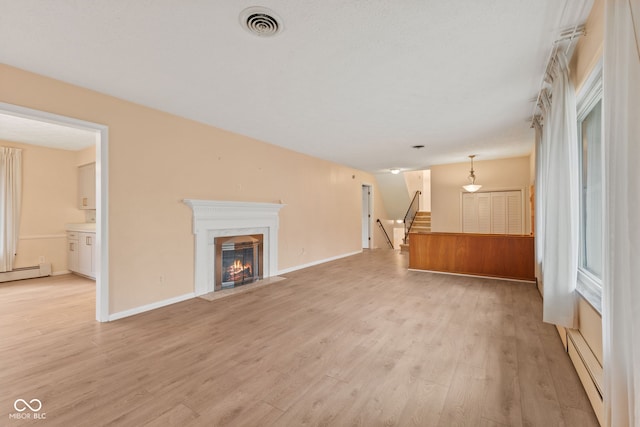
(28, 131)
(355, 82)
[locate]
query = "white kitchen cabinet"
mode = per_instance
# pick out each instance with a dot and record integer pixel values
(72, 250)
(81, 249)
(87, 254)
(87, 186)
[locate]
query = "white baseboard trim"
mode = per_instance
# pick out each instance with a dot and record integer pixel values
(149, 307)
(473, 275)
(322, 261)
(60, 273)
(153, 306)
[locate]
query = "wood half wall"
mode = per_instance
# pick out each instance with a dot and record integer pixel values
(493, 255)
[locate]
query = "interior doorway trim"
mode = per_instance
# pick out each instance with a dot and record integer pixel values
(102, 193)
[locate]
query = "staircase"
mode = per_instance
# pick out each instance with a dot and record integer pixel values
(421, 224)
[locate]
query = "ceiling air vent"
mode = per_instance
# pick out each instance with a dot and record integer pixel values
(260, 21)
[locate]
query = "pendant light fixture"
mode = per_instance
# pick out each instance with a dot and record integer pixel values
(472, 187)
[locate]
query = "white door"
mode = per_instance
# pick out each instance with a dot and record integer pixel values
(497, 212)
(506, 212)
(476, 213)
(366, 216)
(484, 213)
(469, 213)
(515, 222)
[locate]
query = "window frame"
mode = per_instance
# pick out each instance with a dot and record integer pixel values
(591, 92)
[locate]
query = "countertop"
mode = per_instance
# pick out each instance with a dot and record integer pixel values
(83, 226)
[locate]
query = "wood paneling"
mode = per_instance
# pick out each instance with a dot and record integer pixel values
(506, 256)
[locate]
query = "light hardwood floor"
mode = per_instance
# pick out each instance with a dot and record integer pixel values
(360, 341)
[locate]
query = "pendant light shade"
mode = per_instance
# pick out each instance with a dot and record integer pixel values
(472, 186)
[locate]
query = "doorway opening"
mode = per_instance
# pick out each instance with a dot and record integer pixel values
(100, 133)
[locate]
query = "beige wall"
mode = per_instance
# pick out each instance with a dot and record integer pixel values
(413, 180)
(420, 181)
(589, 47)
(157, 159)
(86, 156)
(493, 175)
(49, 190)
(532, 166)
(587, 54)
(591, 328)
(426, 191)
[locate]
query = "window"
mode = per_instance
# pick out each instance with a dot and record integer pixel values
(590, 142)
(591, 192)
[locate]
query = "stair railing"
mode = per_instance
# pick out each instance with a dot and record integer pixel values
(411, 214)
(385, 233)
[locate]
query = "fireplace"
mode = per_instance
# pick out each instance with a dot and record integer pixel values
(213, 219)
(238, 260)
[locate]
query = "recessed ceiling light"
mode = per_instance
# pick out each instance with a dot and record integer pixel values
(394, 171)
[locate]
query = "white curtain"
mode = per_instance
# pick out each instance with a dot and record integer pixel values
(621, 287)
(10, 202)
(542, 145)
(561, 221)
(538, 230)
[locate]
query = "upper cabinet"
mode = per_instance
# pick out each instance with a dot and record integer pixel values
(87, 186)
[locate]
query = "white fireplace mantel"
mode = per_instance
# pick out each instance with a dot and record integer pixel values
(213, 218)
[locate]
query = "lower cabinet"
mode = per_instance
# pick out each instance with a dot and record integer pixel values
(82, 254)
(72, 250)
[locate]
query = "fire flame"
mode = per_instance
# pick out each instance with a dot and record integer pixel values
(238, 270)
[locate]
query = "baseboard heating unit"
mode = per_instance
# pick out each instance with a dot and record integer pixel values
(589, 370)
(41, 270)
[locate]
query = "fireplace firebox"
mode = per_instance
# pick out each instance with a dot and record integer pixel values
(238, 260)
